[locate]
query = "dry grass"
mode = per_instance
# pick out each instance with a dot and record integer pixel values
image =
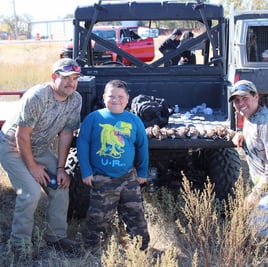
(187, 228)
(26, 64)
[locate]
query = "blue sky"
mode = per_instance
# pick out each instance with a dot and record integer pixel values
(41, 9)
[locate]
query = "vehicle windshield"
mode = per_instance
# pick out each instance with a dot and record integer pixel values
(105, 34)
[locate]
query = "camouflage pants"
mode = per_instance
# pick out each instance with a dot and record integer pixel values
(110, 195)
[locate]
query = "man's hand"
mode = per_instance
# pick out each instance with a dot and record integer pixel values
(40, 175)
(38, 172)
(63, 179)
(238, 139)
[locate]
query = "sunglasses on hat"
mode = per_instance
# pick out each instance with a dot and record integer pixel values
(68, 68)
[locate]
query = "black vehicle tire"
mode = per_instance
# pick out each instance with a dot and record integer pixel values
(78, 192)
(222, 166)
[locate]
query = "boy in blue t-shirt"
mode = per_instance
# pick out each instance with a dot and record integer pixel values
(109, 141)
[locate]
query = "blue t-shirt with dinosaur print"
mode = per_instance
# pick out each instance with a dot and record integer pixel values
(108, 144)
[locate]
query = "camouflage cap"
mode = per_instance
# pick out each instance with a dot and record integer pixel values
(66, 67)
(242, 88)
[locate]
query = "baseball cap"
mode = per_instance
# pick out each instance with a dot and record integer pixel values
(177, 32)
(66, 67)
(242, 88)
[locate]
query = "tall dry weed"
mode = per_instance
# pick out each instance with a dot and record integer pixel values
(219, 233)
(243, 243)
(200, 222)
(188, 228)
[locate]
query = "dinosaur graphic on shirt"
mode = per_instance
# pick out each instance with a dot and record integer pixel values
(112, 139)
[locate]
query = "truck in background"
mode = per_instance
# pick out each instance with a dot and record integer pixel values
(248, 51)
(134, 40)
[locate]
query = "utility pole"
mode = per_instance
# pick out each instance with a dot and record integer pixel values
(15, 20)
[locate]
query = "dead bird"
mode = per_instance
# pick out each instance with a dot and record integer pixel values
(171, 133)
(202, 132)
(192, 133)
(149, 132)
(163, 132)
(181, 132)
(212, 133)
(156, 131)
(221, 131)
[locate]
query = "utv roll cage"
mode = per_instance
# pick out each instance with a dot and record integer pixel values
(210, 15)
